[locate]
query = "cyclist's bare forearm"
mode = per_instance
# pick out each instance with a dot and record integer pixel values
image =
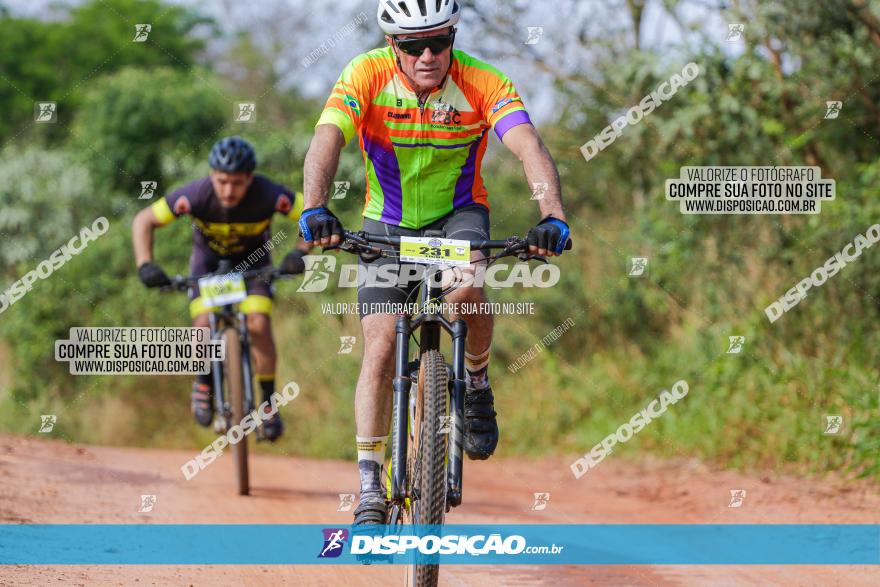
(523, 140)
(540, 169)
(321, 163)
(142, 227)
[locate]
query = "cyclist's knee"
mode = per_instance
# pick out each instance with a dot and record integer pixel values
(377, 366)
(259, 326)
(474, 295)
(379, 336)
(378, 325)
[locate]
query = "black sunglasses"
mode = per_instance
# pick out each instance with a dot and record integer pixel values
(416, 47)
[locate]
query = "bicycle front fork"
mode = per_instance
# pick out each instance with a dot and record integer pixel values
(221, 406)
(401, 389)
(400, 385)
(246, 368)
(455, 468)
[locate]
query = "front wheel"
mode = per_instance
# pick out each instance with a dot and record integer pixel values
(427, 458)
(235, 395)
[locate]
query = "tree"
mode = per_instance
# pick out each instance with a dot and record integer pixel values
(130, 120)
(58, 60)
(46, 199)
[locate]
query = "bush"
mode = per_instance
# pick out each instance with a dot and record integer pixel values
(130, 120)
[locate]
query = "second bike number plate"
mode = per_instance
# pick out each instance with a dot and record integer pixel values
(435, 251)
(222, 290)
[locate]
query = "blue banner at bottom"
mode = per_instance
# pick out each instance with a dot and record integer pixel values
(661, 544)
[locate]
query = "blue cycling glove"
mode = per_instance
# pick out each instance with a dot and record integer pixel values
(317, 223)
(550, 234)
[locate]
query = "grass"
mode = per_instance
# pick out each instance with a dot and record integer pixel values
(764, 407)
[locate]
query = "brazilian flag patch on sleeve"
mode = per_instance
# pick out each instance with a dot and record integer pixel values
(352, 103)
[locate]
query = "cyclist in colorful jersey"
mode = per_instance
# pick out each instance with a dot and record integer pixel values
(232, 212)
(422, 113)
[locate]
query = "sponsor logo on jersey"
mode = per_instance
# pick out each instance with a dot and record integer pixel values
(182, 206)
(445, 114)
(501, 104)
(283, 204)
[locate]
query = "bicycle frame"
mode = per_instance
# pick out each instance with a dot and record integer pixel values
(218, 320)
(430, 321)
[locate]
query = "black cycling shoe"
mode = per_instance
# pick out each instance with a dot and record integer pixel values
(373, 509)
(480, 426)
(201, 403)
(273, 428)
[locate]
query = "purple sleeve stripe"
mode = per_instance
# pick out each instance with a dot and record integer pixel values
(511, 120)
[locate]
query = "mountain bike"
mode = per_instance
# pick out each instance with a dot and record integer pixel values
(232, 378)
(427, 437)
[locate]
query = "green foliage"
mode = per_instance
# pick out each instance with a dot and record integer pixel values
(709, 277)
(98, 287)
(46, 199)
(130, 120)
(58, 60)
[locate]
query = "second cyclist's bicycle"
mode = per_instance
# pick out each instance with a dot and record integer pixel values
(233, 380)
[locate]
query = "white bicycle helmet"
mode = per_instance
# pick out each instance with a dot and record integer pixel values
(399, 17)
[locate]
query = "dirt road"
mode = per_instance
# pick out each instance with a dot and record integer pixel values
(48, 481)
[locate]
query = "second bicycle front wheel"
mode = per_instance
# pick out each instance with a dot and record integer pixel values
(427, 458)
(235, 395)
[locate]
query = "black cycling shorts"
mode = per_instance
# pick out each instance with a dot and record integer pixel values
(469, 222)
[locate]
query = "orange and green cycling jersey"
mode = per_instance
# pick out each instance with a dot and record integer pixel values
(422, 159)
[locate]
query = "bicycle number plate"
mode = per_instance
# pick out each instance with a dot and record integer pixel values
(222, 290)
(435, 251)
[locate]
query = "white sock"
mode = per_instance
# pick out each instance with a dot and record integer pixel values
(476, 362)
(371, 456)
(477, 367)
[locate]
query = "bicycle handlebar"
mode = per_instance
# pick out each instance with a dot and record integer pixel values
(511, 245)
(181, 282)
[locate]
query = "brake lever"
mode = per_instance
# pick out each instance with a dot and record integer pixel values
(178, 282)
(349, 245)
(269, 274)
(369, 256)
(367, 253)
(528, 257)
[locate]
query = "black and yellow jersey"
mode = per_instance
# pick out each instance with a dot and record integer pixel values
(230, 232)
